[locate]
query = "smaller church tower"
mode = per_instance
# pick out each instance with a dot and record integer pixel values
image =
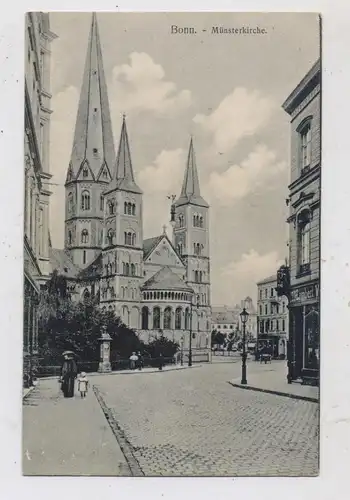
(92, 158)
(122, 254)
(191, 239)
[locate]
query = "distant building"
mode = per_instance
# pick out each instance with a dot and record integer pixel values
(251, 325)
(304, 107)
(272, 318)
(38, 37)
(224, 319)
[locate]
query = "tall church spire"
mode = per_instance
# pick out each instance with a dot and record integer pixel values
(93, 137)
(190, 192)
(123, 177)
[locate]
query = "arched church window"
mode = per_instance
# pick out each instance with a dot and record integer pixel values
(156, 317)
(133, 239)
(112, 292)
(85, 172)
(133, 209)
(85, 200)
(144, 318)
(85, 236)
(111, 208)
(86, 294)
(201, 224)
(69, 237)
(181, 220)
(110, 236)
(132, 269)
(125, 208)
(129, 209)
(167, 318)
(101, 202)
(70, 202)
(196, 276)
(127, 269)
(187, 319)
(178, 314)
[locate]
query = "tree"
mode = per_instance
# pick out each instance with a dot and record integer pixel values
(161, 345)
(77, 326)
(217, 338)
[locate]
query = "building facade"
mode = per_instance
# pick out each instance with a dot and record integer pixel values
(272, 318)
(158, 285)
(38, 38)
(251, 325)
(304, 108)
(224, 319)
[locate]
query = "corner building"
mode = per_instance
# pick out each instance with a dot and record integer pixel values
(304, 107)
(156, 285)
(38, 38)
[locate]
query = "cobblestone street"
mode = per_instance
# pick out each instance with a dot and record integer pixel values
(193, 422)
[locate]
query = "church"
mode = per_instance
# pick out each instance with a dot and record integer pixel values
(156, 285)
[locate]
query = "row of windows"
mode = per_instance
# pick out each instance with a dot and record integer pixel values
(129, 238)
(274, 308)
(198, 220)
(167, 318)
(272, 326)
(267, 292)
(199, 276)
(198, 248)
(201, 299)
(224, 327)
(129, 208)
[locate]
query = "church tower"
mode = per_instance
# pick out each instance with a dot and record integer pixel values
(91, 162)
(191, 239)
(122, 255)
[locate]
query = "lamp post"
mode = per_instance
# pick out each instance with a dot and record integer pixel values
(190, 345)
(244, 318)
(182, 350)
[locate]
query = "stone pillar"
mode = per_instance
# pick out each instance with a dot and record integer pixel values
(105, 353)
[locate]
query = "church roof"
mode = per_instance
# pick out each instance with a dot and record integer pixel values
(93, 138)
(123, 177)
(60, 261)
(149, 244)
(190, 192)
(93, 270)
(166, 279)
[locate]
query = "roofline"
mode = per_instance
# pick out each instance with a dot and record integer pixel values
(311, 79)
(269, 279)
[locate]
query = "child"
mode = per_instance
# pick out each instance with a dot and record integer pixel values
(83, 384)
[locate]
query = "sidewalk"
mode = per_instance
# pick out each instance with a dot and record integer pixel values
(68, 437)
(272, 378)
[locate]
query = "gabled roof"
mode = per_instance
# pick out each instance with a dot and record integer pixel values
(93, 270)
(150, 244)
(61, 261)
(190, 192)
(166, 279)
(93, 137)
(123, 176)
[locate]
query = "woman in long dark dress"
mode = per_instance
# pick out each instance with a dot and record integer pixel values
(69, 373)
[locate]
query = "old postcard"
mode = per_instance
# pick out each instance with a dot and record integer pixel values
(172, 166)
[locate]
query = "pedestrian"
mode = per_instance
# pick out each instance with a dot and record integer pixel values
(133, 359)
(140, 360)
(83, 384)
(69, 372)
(161, 361)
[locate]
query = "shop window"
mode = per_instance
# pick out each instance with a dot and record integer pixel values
(303, 242)
(312, 338)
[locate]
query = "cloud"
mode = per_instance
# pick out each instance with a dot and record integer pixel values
(258, 169)
(141, 86)
(239, 278)
(64, 105)
(240, 114)
(164, 175)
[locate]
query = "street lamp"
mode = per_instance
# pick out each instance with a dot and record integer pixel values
(182, 350)
(190, 345)
(244, 318)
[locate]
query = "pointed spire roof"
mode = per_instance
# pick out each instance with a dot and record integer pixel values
(190, 192)
(123, 177)
(93, 137)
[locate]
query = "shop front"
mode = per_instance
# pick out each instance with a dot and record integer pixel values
(304, 343)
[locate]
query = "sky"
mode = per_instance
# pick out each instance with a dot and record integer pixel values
(226, 90)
